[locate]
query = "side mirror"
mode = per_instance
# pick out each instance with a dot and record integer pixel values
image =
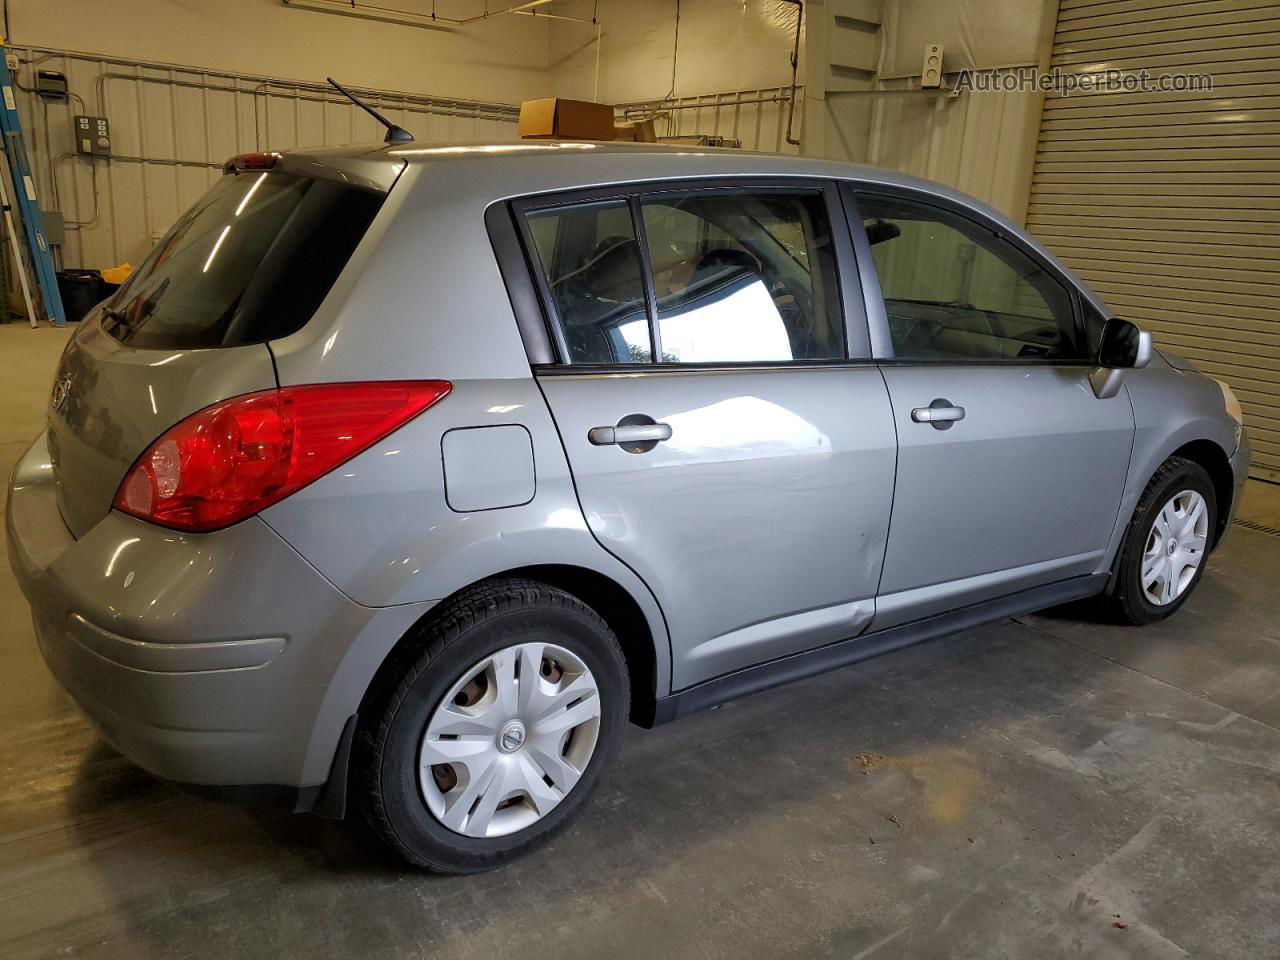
(1124, 346)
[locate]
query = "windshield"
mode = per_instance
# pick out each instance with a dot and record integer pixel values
(251, 261)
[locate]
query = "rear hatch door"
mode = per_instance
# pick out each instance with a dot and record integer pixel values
(250, 262)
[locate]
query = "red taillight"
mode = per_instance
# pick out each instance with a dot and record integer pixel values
(253, 161)
(228, 461)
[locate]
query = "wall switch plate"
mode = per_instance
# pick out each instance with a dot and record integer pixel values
(93, 136)
(931, 75)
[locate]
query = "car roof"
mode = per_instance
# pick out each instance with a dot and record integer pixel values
(503, 171)
(547, 164)
(671, 159)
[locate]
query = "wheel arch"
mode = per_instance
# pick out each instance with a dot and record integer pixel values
(615, 604)
(1217, 464)
(1190, 443)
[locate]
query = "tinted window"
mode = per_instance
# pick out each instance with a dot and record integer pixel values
(743, 276)
(249, 262)
(738, 276)
(953, 290)
(591, 261)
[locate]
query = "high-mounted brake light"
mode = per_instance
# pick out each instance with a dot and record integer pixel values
(252, 161)
(235, 458)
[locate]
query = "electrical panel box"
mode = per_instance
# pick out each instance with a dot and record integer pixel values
(93, 136)
(55, 228)
(52, 85)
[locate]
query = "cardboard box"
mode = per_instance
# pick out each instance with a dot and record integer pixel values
(560, 119)
(640, 131)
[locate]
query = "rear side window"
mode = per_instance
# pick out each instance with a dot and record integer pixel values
(707, 276)
(251, 261)
(591, 261)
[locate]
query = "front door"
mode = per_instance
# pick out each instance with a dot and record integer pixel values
(1010, 469)
(722, 444)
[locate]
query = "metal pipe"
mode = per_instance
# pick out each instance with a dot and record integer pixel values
(647, 110)
(910, 91)
(409, 18)
(415, 102)
(48, 52)
(795, 68)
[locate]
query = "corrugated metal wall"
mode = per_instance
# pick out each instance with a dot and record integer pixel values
(976, 142)
(173, 127)
(1168, 203)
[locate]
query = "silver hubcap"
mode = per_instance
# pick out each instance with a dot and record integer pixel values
(1175, 547)
(509, 740)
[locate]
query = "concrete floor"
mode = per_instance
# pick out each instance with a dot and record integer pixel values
(1039, 788)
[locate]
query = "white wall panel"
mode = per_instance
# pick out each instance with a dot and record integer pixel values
(173, 128)
(501, 58)
(723, 45)
(981, 143)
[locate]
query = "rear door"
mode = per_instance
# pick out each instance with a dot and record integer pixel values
(723, 444)
(1010, 469)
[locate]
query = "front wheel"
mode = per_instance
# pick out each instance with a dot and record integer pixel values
(1163, 553)
(489, 731)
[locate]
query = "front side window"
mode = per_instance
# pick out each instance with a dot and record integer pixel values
(954, 290)
(737, 276)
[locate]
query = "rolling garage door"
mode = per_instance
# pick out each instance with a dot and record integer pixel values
(1168, 203)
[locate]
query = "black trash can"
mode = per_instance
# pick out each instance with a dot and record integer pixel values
(81, 291)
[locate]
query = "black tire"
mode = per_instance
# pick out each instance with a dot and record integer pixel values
(1128, 603)
(477, 622)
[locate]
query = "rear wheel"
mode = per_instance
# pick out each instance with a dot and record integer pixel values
(487, 734)
(1163, 553)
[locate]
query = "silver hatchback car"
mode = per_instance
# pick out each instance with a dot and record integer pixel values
(400, 478)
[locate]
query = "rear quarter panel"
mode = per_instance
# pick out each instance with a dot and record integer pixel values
(423, 299)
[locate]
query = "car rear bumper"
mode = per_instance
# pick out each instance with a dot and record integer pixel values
(220, 659)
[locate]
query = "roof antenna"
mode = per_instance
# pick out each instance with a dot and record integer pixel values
(394, 134)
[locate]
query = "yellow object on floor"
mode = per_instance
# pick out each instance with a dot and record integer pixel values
(118, 275)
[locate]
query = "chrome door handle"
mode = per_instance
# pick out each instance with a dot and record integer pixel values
(629, 433)
(940, 413)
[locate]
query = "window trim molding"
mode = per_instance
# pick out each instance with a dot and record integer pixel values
(646, 280)
(540, 329)
(519, 277)
(741, 366)
(882, 341)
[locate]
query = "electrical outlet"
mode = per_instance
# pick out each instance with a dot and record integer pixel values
(931, 75)
(11, 61)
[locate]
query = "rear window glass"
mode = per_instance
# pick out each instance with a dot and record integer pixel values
(251, 261)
